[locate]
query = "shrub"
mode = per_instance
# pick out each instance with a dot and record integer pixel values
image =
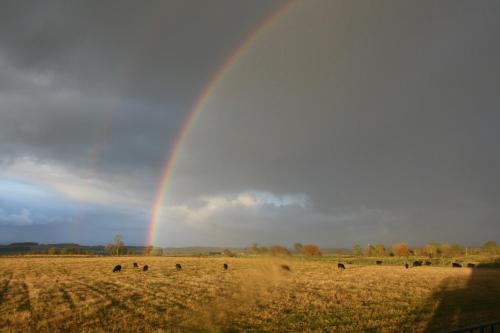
(400, 249)
(312, 250)
(228, 253)
(53, 251)
(278, 250)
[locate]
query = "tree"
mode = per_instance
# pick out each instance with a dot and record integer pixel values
(400, 249)
(110, 248)
(278, 250)
(53, 251)
(369, 251)
(451, 250)
(118, 244)
(157, 251)
(431, 249)
(312, 250)
(228, 253)
(147, 250)
(254, 249)
(299, 248)
(356, 250)
(490, 247)
(379, 250)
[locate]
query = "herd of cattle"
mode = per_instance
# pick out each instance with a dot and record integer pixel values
(178, 267)
(428, 263)
(340, 266)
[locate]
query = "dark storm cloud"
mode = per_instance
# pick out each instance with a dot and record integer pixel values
(343, 122)
(103, 87)
(383, 107)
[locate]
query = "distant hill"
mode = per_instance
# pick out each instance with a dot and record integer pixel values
(73, 248)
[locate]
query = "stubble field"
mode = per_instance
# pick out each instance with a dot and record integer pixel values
(58, 294)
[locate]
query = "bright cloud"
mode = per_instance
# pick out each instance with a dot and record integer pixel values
(77, 187)
(246, 202)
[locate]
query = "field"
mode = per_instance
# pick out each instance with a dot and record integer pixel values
(64, 294)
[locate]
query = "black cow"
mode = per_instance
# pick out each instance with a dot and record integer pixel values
(226, 267)
(340, 266)
(417, 263)
(428, 263)
(456, 264)
(117, 268)
(178, 267)
(471, 265)
(136, 265)
(378, 262)
(145, 268)
(406, 266)
(285, 267)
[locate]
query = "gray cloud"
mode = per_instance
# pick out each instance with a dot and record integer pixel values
(387, 107)
(104, 87)
(384, 116)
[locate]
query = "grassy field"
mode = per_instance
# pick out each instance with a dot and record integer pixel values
(58, 294)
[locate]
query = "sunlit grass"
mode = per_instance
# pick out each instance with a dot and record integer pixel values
(57, 294)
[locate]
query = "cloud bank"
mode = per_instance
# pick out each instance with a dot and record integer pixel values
(342, 123)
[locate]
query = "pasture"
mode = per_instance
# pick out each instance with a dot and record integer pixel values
(82, 294)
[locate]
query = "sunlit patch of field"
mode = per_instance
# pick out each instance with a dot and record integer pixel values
(57, 294)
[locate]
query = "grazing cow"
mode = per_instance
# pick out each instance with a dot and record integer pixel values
(136, 265)
(340, 266)
(178, 267)
(471, 265)
(117, 268)
(285, 267)
(428, 263)
(406, 266)
(378, 262)
(226, 267)
(456, 264)
(417, 263)
(145, 268)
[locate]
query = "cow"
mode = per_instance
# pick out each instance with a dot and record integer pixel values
(117, 268)
(340, 266)
(378, 262)
(145, 268)
(226, 267)
(456, 265)
(285, 267)
(178, 267)
(417, 263)
(136, 265)
(406, 266)
(428, 263)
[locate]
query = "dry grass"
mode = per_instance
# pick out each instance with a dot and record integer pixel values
(57, 294)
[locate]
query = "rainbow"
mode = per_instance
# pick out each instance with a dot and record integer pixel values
(196, 108)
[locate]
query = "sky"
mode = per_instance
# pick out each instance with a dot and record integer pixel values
(327, 122)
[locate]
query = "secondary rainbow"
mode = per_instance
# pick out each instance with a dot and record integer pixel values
(195, 110)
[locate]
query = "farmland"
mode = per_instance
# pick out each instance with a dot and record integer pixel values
(69, 294)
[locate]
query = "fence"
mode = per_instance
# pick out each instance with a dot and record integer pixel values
(493, 327)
